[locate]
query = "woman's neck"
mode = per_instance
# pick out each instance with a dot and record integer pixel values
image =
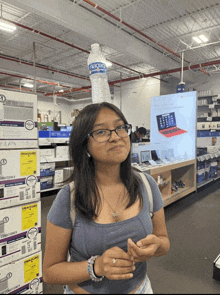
(107, 176)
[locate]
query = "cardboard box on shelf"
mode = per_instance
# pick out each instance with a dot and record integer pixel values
(58, 177)
(20, 232)
(23, 276)
(200, 175)
(19, 177)
(212, 149)
(46, 182)
(18, 120)
(47, 169)
(47, 155)
(62, 152)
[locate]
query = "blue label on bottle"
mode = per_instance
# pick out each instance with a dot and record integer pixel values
(97, 67)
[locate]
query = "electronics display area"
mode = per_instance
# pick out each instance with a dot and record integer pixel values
(170, 156)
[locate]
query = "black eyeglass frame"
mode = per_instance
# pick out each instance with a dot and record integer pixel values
(110, 132)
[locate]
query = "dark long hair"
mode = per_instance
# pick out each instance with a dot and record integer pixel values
(87, 198)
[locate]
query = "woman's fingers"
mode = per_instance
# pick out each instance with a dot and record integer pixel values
(117, 264)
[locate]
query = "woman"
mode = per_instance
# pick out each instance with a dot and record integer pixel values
(113, 235)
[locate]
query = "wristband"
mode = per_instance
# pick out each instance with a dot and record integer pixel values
(90, 268)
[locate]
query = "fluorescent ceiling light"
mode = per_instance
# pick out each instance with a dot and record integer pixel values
(200, 39)
(5, 26)
(203, 38)
(108, 64)
(197, 39)
(28, 85)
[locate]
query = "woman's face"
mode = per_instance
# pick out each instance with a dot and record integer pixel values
(116, 149)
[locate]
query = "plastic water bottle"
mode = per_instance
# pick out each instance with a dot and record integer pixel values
(98, 75)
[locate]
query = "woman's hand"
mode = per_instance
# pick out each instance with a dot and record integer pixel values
(114, 264)
(144, 249)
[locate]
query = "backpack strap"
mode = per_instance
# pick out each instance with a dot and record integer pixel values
(72, 202)
(149, 192)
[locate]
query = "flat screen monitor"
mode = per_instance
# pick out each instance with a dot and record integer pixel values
(135, 158)
(145, 156)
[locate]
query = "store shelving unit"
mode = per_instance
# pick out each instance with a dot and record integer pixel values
(208, 128)
(170, 173)
(50, 141)
(207, 181)
(208, 178)
(208, 112)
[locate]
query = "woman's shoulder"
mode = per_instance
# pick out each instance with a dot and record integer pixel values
(59, 213)
(63, 195)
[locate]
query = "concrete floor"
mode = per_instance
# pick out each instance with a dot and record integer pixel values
(193, 226)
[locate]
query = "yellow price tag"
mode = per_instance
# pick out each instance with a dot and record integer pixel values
(29, 216)
(31, 268)
(28, 163)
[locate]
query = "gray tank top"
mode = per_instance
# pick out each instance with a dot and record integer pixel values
(91, 238)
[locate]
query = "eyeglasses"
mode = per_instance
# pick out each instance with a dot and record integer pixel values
(102, 135)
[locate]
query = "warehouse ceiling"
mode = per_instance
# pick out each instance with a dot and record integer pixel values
(141, 38)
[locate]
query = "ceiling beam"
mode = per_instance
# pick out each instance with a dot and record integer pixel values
(77, 19)
(15, 67)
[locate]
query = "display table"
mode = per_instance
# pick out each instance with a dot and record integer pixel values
(167, 175)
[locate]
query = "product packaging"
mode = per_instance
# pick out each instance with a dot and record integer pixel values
(23, 276)
(20, 232)
(18, 120)
(19, 177)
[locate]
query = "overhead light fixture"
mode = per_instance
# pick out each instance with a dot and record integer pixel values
(28, 85)
(200, 39)
(6, 26)
(203, 38)
(197, 39)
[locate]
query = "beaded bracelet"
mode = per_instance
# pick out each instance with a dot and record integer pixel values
(90, 269)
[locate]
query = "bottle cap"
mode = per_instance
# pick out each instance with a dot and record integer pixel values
(95, 47)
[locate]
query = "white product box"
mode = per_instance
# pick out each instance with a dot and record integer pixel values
(47, 155)
(18, 120)
(59, 140)
(23, 276)
(58, 177)
(19, 177)
(62, 152)
(204, 141)
(202, 126)
(44, 142)
(20, 232)
(212, 149)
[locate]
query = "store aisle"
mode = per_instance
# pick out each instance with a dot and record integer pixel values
(193, 227)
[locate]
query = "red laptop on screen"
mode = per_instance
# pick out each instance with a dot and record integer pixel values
(167, 125)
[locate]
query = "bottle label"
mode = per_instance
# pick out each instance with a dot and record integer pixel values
(97, 67)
